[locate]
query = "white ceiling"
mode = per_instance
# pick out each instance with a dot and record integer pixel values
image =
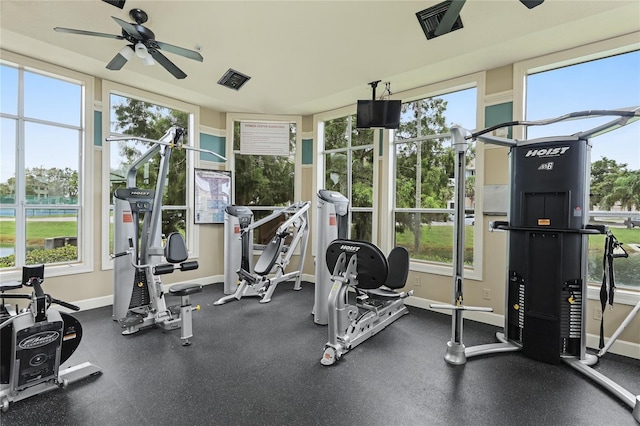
(306, 57)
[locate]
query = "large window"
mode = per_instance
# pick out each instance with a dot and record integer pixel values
(606, 83)
(348, 169)
(41, 175)
(136, 113)
(424, 172)
(265, 182)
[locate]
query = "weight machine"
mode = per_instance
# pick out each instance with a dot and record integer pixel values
(138, 295)
(548, 228)
(333, 223)
(35, 341)
(276, 256)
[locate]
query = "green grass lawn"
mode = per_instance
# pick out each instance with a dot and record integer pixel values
(37, 231)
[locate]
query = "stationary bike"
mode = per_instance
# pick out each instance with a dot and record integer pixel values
(375, 279)
(35, 341)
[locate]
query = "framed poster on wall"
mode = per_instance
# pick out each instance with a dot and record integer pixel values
(212, 195)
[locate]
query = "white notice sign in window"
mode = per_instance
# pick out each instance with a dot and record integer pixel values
(264, 138)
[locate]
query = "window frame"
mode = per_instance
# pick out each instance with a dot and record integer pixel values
(193, 160)
(476, 80)
(590, 52)
(319, 121)
(85, 206)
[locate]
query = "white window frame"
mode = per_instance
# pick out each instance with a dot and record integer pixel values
(85, 200)
(476, 80)
(319, 169)
(594, 51)
(193, 160)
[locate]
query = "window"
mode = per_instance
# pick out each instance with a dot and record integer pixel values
(424, 177)
(44, 217)
(348, 169)
(264, 183)
(136, 113)
(609, 82)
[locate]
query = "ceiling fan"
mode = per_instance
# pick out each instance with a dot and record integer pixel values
(143, 44)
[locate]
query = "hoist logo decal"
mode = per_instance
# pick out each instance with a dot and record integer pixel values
(351, 249)
(547, 152)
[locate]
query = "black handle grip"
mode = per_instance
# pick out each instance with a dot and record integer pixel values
(122, 253)
(65, 304)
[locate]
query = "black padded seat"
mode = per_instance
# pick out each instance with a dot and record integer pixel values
(175, 251)
(396, 278)
(269, 256)
(185, 289)
(10, 285)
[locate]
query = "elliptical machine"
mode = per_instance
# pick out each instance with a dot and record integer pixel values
(35, 341)
(138, 295)
(546, 300)
(333, 223)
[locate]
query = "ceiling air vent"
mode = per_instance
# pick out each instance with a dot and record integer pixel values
(431, 18)
(233, 79)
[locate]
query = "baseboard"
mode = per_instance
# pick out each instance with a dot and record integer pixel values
(620, 347)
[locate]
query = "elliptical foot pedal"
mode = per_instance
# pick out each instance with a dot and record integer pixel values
(131, 320)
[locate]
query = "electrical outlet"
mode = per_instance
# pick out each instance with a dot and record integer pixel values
(486, 294)
(417, 281)
(597, 313)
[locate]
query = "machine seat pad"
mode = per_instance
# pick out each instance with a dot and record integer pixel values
(382, 293)
(185, 289)
(269, 256)
(10, 285)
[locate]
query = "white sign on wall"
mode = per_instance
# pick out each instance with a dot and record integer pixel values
(260, 138)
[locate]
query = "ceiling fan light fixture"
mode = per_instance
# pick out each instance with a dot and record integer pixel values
(149, 60)
(126, 52)
(141, 50)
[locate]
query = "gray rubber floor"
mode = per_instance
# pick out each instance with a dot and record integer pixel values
(254, 364)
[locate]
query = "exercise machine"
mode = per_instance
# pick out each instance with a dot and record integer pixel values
(138, 294)
(362, 266)
(546, 289)
(333, 223)
(269, 269)
(238, 245)
(36, 341)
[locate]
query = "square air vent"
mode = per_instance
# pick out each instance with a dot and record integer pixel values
(233, 79)
(430, 19)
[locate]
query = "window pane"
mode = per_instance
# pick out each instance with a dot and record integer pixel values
(429, 237)
(361, 226)
(7, 237)
(406, 175)
(47, 98)
(52, 236)
(8, 90)
(174, 220)
(336, 133)
(627, 270)
(51, 164)
(264, 180)
(615, 156)
(336, 173)
(8, 161)
(360, 136)
(362, 177)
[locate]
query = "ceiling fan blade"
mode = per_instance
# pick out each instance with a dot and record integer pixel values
(89, 33)
(191, 54)
(167, 64)
(119, 60)
(449, 17)
(128, 28)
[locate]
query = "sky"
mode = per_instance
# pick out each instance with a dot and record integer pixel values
(605, 84)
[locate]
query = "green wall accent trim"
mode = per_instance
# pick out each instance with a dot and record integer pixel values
(307, 151)
(213, 143)
(97, 128)
(499, 113)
